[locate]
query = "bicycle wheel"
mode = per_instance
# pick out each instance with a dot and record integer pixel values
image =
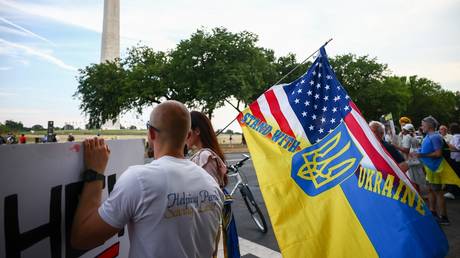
(254, 209)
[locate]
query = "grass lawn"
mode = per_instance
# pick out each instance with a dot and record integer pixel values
(232, 145)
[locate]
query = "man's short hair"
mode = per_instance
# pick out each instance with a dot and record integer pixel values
(431, 121)
(172, 118)
(378, 126)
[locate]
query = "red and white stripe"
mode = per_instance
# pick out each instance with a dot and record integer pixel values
(274, 105)
(380, 158)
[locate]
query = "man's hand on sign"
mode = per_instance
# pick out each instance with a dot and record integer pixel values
(96, 154)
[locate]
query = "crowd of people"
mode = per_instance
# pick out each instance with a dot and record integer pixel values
(10, 138)
(420, 153)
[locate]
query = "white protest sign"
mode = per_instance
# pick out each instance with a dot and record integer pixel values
(39, 189)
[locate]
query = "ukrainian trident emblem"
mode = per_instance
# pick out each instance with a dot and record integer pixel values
(326, 164)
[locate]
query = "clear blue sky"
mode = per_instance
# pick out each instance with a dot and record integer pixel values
(44, 42)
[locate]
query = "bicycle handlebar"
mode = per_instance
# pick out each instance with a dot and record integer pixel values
(239, 164)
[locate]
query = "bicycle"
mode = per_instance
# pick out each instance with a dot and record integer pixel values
(248, 197)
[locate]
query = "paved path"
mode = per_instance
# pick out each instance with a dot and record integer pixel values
(251, 249)
(453, 230)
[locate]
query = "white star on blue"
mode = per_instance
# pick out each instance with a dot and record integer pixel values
(326, 102)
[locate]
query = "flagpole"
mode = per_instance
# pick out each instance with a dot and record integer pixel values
(305, 60)
(280, 80)
(220, 131)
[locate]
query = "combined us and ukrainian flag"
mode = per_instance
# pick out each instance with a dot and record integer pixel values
(330, 188)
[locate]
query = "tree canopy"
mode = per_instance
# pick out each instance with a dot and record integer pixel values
(212, 67)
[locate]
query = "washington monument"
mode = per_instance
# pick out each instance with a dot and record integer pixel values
(110, 43)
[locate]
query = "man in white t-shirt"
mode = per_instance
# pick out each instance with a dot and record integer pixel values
(445, 133)
(172, 207)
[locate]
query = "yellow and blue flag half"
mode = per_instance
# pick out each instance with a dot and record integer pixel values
(330, 188)
(438, 170)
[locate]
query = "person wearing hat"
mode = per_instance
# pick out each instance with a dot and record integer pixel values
(407, 135)
(402, 122)
(410, 144)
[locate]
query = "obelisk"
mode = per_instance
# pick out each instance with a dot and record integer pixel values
(110, 43)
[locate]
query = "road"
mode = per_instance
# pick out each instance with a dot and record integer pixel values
(247, 229)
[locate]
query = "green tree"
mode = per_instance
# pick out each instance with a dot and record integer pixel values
(14, 126)
(428, 98)
(103, 92)
(109, 89)
(357, 74)
(203, 72)
(286, 64)
(3, 128)
(68, 127)
(210, 67)
(37, 127)
(390, 95)
(147, 78)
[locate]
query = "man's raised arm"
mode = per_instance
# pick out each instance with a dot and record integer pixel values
(88, 229)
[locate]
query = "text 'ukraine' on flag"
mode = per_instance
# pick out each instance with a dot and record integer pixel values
(330, 188)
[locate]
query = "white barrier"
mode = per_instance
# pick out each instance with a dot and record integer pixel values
(39, 188)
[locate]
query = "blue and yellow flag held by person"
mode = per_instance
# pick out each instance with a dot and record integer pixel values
(438, 170)
(330, 188)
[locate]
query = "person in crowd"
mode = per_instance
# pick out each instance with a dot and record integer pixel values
(419, 135)
(2, 140)
(408, 145)
(379, 130)
(150, 198)
(444, 133)
(431, 154)
(402, 121)
(22, 139)
(406, 140)
(207, 152)
(54, 138)
(70, 138)
(453, 191)
(11, 139)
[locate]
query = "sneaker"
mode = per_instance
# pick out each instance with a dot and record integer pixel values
(443, 220)
(449, 195)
